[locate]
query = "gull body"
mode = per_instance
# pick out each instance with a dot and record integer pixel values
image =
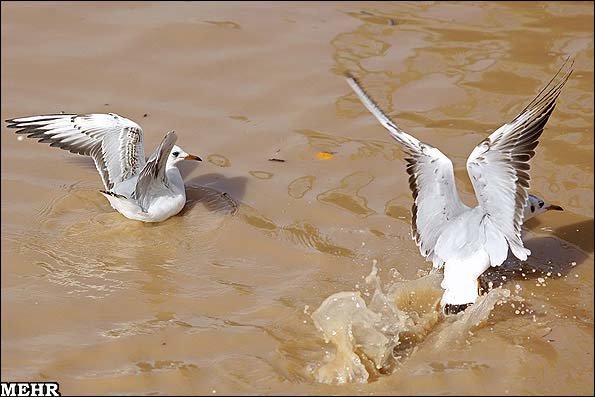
(466, 241)
(145, 190)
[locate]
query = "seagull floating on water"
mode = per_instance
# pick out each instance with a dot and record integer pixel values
(466, 241)
(148, 191)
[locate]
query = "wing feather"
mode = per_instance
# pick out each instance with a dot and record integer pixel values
(152, 177)
(499, 166)
(431, 180)
(114, 142)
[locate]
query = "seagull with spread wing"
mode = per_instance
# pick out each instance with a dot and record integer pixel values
(466, 241)
(145, 190)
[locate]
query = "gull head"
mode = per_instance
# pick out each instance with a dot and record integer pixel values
(536, 205)
(178, 154)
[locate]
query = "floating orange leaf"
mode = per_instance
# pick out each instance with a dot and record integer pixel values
(324, 155)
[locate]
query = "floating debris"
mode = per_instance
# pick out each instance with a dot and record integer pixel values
(240, 118)
(325, 155)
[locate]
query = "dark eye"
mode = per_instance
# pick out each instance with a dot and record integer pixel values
(540, 204)
(176, 154)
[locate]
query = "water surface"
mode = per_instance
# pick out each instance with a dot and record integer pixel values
(220, 298)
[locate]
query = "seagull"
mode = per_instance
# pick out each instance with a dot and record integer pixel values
(144, 190)
(466, 241)
(536, 206)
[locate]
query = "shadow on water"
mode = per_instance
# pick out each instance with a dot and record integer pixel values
(555, 255)
(215, 192)
(579, 234)
(233, 186)
(187, 167)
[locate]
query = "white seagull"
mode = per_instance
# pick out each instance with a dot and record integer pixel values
(536, 205)
(467, 241)
(148, 191)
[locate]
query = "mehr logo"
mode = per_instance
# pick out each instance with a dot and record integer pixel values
(30, 389)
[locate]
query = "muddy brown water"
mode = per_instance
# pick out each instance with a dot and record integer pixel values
(218, 300)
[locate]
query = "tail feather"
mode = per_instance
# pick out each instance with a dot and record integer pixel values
(519, 251)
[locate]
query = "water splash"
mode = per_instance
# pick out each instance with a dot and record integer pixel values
(370, 339)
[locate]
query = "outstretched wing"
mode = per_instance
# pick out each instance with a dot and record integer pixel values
(152, 177)
(431, 180)
(114, 142)
(499, 165)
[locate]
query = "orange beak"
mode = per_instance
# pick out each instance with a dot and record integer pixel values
(192, 157)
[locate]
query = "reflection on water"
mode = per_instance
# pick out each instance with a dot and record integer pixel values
(393, 209)
(300, 186)
(261, 174)
(302, 234)
(355, 148)
(219, 160)
(161, 320)
(347, 196)
(80, 216)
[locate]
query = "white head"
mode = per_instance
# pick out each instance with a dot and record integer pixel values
(178, 154)
(537, 205)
